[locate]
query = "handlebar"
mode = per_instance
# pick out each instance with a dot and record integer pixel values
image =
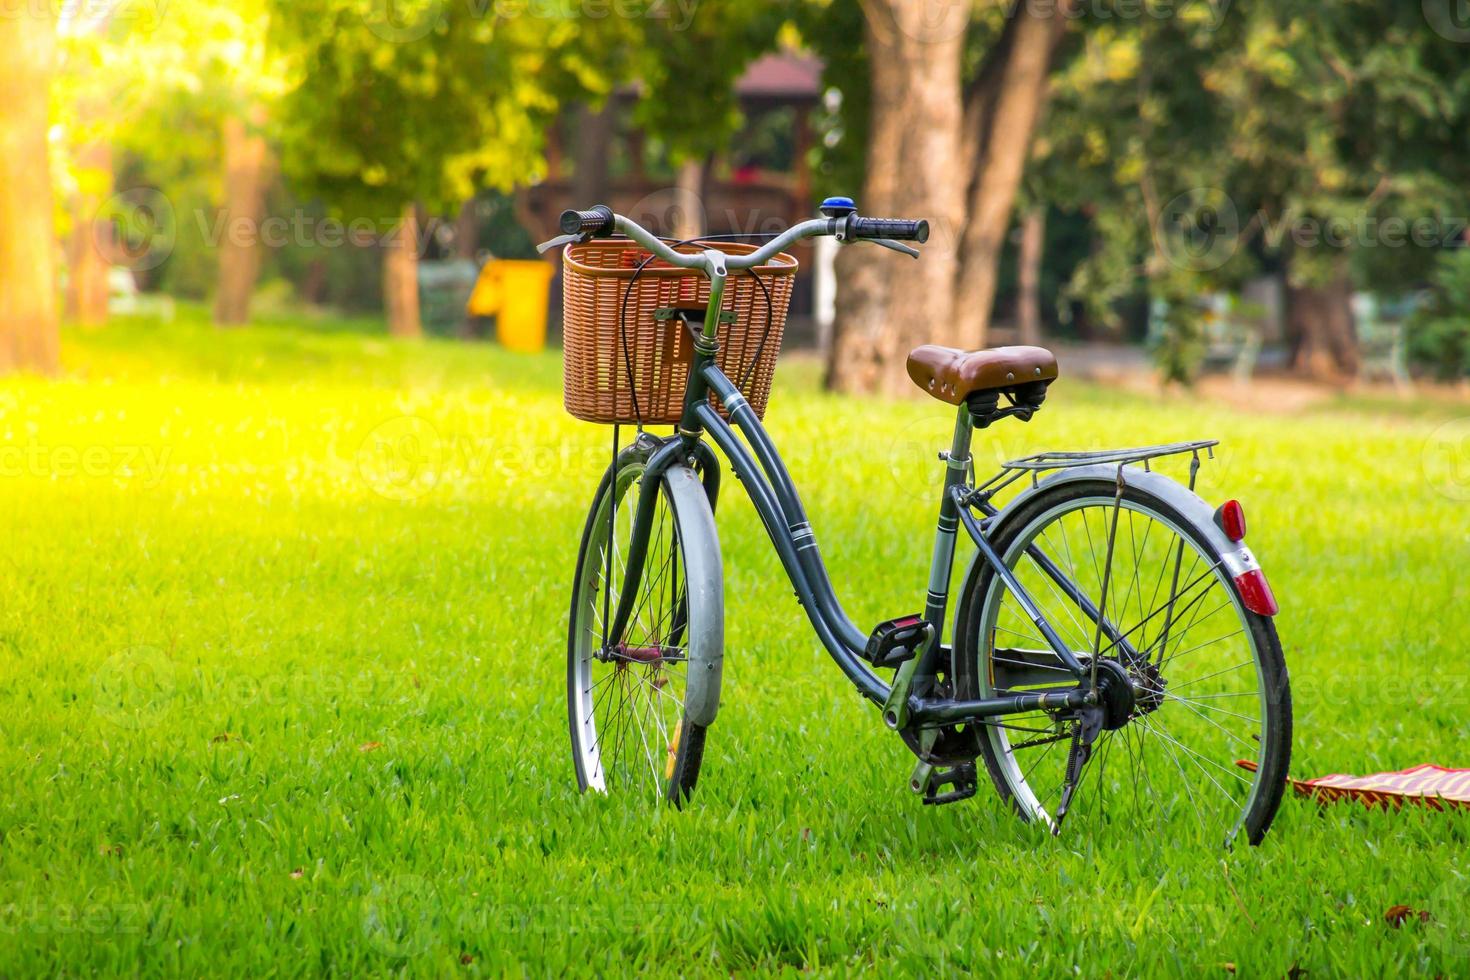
(597, 220)
(895, 229)
(692, 260)
(601, 221)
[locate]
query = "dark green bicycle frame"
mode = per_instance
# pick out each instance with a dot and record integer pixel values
(766, 480)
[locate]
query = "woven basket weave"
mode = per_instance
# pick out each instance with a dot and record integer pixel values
(595, 278)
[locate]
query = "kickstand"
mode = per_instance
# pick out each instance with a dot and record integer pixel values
(1089, 726)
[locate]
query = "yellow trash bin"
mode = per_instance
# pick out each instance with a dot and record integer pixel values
(515, 293)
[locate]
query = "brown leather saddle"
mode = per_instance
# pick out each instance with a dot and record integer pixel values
(953, 375)
(979, 379)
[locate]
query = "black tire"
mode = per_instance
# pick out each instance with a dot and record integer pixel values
(977, 659)
(612, 699)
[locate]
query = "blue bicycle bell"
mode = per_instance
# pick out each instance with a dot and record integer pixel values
(838, 207)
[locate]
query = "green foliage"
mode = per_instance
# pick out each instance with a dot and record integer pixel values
(1177, 328)
(689, 66)
(130, 75)
(1439, 331)
(446, 99)
(834, 30)
(260, 718)
(378, 120)
(1318, 130)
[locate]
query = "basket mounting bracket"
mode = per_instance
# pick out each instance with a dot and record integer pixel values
(690, 313)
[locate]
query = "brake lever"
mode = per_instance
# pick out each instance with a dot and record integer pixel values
(889, 243)
(557, 242)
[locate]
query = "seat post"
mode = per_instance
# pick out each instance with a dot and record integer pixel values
(959, 444)
(957, 469)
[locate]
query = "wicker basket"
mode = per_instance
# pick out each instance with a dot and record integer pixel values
(595, 278)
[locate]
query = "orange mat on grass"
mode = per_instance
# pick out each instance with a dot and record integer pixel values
(1426, 785)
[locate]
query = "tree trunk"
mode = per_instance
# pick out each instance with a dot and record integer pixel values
(914, 170)
(1324, 333)
(247, 172)
(89, 248)
(467, 231)
(1028, 275)
(1002, 108)
(589, 170)
(401, 277)
(28, 327)
(314, 283)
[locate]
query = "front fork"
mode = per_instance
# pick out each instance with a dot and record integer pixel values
(666, 454)
(686, 446)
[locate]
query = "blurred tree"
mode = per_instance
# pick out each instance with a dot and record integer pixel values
(248, 164)
(28, 327)
(1217, 142)
(1004, 101)
(132, 73)
(422, 103)
(913, 169)
(1439, 331)
(952, 93)
(1028, 305)
(82, 153)
(251, 78)
(687, 69)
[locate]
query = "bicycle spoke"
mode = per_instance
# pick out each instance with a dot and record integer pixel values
(1218, 725)
(1201, 646)
(1193, 803)
(1158, 731)
(1208, 676)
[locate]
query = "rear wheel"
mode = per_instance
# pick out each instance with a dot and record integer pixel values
(1208, 682)
(626, 702)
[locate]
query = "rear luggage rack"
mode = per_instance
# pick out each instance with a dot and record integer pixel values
(1045, 462)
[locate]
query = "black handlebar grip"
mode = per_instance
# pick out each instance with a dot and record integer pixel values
(597, 219)
(897, 229)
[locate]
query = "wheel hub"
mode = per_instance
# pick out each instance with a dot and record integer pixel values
(1115, 690)
(623, 654)
(1148, 687)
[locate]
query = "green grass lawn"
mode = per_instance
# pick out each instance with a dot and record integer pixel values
(273, 704)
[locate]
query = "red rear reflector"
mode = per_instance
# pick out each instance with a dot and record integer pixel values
(1230, 518)
(1256, 592)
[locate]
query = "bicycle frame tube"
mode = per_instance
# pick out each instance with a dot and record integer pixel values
(1071, 591)
(1023, 597)
(765, 478)
(769, 485)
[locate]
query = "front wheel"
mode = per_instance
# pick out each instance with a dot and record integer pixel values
(638, 708)
(1203, 743)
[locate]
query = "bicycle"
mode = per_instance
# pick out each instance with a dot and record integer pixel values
(1057, 665)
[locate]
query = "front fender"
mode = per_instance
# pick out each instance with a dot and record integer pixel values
(705, 575)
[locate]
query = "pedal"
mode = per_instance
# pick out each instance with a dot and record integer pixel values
(960, 777)
(896, 640)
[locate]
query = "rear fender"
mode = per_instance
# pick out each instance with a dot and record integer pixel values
(1238, 561)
